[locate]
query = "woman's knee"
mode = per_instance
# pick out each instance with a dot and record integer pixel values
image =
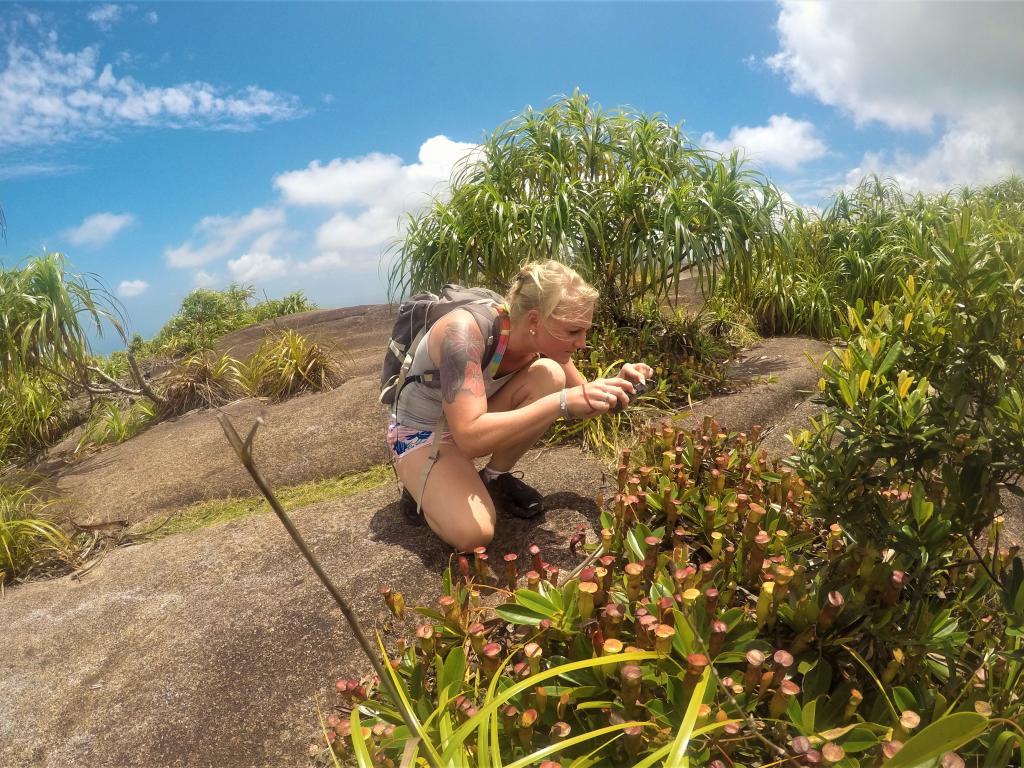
(464, 532)
(548, 375)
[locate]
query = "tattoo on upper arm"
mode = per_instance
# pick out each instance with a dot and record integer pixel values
(462, 350)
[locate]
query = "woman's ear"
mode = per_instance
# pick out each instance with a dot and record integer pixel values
(533, 321)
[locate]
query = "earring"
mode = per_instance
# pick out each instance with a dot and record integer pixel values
(533, 332)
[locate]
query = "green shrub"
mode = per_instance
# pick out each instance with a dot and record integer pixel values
(860, 248)
(706, 626)
(288, 364)
(926, 399)
(28, 538)
(623, 197)
(206, 315)
(34, 411)
(111, 422)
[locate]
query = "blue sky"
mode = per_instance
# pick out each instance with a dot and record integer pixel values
(169, 146)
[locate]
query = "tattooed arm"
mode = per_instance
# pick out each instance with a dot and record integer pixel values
(457, 348)
(462, 351)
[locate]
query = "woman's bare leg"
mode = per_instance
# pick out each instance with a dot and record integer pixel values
(540, 378)
(455, 503)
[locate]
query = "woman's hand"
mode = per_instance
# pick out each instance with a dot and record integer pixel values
(637, 373)
(598, 396)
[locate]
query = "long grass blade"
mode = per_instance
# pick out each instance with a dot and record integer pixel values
(363, 759)
(459, 737)
(536, 757)
(682, 740)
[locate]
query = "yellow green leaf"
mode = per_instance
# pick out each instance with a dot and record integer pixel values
(904, 382)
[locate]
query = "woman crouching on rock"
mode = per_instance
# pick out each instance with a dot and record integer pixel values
(497, 408)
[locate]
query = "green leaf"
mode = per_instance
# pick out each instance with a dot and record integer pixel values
(846, 392)
(454, 670)
(944, 735)
(998, 754)
(536, 602)
(363, 759)
(520, 614)
(493, 702)
(807, 715)
(890, 359)
(818, 680)
(904, 698)
(859, 739)
(634, 545)
(537, 757)
(998, 360)
(677, 756)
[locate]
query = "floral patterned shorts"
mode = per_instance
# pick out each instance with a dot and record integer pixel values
(401, 440)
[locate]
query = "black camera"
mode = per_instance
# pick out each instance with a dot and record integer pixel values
(638, 389)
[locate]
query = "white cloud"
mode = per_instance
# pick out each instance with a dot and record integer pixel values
(128, 289)
(784, 142)
(361, 198)
(48, 95)
(369, 194)
(107, 15)
(917, 66)
(964, 154)
(369, 229)
(330, 261)
(375, 179)
(152, 17)
(27, 170)
(99, 229)
(254, 267)
(220, 236)
(204, 279)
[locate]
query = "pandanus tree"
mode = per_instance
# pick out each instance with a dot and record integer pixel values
(621, 196)
(47, 314)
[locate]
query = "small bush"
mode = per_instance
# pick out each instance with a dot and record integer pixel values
(288, 364)
(200, 381)
(28, 538)
(34, 411)
(111, 423)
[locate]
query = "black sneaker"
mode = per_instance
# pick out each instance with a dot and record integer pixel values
(513, 495)
(407, 505)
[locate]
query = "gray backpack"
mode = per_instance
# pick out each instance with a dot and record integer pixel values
(415, 317)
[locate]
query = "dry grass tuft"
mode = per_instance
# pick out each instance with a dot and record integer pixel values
(199, 381)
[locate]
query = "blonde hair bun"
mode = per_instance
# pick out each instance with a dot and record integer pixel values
(552, 288)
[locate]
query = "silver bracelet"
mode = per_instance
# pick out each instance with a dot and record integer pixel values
(563, 406)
